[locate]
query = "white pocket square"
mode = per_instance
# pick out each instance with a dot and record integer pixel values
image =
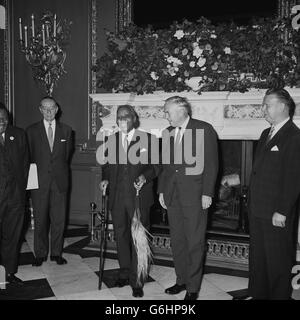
(275, 148)
(63, 140)
(143, 150)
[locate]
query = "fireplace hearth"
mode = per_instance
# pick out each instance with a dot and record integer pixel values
(238, 121)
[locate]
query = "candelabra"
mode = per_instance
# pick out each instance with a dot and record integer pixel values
(44, 48)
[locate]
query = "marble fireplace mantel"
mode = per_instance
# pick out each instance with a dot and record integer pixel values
(235, 116)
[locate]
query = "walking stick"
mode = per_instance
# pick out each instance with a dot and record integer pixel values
(103, 220)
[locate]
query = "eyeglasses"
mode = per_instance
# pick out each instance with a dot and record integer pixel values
(48, 109)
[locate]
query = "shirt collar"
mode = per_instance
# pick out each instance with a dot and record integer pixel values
(53, 123)
(129, 135)
(279, 125)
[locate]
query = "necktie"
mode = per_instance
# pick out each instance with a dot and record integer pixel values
(270, 134)
(50, 136)
(125, 143)
(178, 136)
(1, 140)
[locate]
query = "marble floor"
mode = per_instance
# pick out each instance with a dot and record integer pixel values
(78, 279)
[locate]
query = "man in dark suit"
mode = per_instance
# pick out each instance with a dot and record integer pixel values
(14, 164)
(128, 168)
(50, 144)
(274, 192)
(186, 189)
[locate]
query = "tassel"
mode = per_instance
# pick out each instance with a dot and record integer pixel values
(140, 238)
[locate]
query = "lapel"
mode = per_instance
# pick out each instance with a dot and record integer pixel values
(264, 147)
(57, 137)
(10, 139)
(43, 135)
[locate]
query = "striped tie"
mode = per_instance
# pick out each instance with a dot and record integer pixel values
(270, 134)
(50, 136)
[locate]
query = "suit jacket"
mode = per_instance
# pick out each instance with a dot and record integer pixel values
(190, 187)
(55, 164)
(17, 150)
(275, 179)
(111, 170)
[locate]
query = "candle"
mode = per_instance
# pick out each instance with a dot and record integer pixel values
(43, 34)
(20, 28)
(47, 31)
(25, 29)
(32, 25)
(54, 26)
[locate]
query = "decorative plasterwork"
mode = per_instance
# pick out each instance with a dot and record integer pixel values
(233, 115)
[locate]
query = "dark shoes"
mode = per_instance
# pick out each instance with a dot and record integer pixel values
(58, 259)
(191, 296)
(12, 279)
(137, 292)
(177, 288)
(121, 282)
(38, 261)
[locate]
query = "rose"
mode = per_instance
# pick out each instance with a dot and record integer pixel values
(227, 50)
(201, 62)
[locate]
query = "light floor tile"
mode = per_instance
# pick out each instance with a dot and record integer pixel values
(105, 294)
(93, 263)
(165, 276)
(217, 296)
(73, 267)
(28, 272)
(65, 285)
(227, 283)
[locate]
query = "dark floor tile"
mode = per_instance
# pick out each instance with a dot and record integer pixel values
(32, 289)
(78, 232)
(238, 293)
(26, 258)
(226, 271)
(111, 276)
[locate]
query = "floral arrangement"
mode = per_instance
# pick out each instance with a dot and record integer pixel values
(223, 57)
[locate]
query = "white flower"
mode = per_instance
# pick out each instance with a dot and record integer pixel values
(227, 50)
(179, 79)
(192, 64)
(195, 45)
(174, 60)
(179, 34)
(153, 75)
(11, 138)
(155, 35)
(115, 61)
(203, 68)
(213, 36)
(242, 76)
(172, 71)
(184, 51)
(197, 52)
(201, 62)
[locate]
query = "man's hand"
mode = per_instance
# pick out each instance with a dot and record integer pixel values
(206, 202)
(162, 201)
(278, 220)
(139, 182)
(103, 185)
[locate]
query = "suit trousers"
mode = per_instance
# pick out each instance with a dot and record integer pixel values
(188, 242)
(272, 254)
(49, 210)
(122, 213)
(12, 209)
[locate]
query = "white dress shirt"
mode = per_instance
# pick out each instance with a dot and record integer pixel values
(183, 127)
(129, 137)
(53, 125)
(278, 126)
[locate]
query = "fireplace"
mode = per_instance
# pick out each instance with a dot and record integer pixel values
(238, 121)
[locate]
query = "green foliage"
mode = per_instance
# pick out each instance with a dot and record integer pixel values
(225, 57)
